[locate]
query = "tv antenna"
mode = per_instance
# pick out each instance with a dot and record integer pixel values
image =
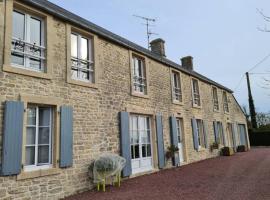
(148, 24)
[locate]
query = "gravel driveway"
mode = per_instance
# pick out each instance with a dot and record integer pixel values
(244, 176)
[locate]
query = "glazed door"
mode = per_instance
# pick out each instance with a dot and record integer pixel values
(141, 148)
(179, 126)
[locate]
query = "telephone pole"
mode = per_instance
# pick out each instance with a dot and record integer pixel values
(251, 104)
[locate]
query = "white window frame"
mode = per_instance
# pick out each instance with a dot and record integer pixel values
(176, 89)
(139, 82)
(43, 165)
(76, 62)
(225, 102)
(139, 135)
(201, 133)
(27, 44)
(195, 96)
(215, 99)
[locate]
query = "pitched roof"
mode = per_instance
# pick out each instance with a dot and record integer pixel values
(65, 15)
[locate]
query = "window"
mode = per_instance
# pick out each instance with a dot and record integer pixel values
(27, 50)
(139, 75)
(179, 130)
(82, 65)
(201, 136)
(38, 147)
(215, 98)
(219, 137)
(225, 102)
(140, 137)
(176, 87)
(196, 93)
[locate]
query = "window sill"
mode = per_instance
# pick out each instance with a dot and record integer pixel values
(136, 94)
(216, 111)
(177, 102)
(82, 83)
(38, 173)
(26, 72)
(196, 106)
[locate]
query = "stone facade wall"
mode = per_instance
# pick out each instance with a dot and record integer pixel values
(96, 123)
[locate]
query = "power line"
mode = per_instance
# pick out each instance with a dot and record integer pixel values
(255, 66)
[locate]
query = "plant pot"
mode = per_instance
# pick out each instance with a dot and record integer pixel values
(227, 151)
(241, 148)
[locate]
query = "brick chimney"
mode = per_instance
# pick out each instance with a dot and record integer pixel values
(158, 47)
(187, 62)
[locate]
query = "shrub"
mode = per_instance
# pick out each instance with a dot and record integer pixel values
(227, 151)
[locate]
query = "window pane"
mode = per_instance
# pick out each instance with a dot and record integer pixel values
(35, 64)
(136, 149)
(30, 156)
(44, 116)
(143, 150)
(84, 49)
(31, 116)
(75, 73)
(18, 25)
(31, 136)
(35, 31)
(17, 59)
(43, 154)
(74, 45)
(44, 136)
(149, 150)
(84, 75)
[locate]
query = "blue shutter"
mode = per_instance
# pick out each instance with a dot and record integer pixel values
(205, 131)
(234, 132)
(195, 133)
(174, 138)
(160, 143)
(216, 131)
(66, 136)
(12, 138)
(125, 142)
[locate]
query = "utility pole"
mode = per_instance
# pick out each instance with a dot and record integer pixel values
(147, 24)
(251, 104)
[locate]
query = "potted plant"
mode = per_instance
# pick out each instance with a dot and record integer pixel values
(171, 152)
(241, 148)
(227, 151)
(213, 146)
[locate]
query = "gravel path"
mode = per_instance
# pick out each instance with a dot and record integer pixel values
(244, 176)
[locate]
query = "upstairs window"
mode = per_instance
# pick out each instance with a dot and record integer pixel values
(176, 87)
(196, 93)
(82, 65)
(225, 102)
(27, 50)
(139, 75)
(215, 99)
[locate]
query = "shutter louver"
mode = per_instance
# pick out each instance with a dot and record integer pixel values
(160, 142)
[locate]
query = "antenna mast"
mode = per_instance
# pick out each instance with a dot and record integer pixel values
(149, 33)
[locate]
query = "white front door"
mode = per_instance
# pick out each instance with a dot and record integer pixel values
(180, 139)
(140, 141)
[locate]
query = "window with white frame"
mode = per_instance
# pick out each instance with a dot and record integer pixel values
(38, 147)
(139, 75)
(201, 133)
(196, 92)
(82, 65)
(176, 87)
(215, 98)
(220, 133)
(179, 130)
(225, 102)
(28, 50)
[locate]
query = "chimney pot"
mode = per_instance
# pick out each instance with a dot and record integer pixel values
(187, 62)
(158, 47)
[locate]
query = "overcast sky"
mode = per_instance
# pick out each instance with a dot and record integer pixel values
(222, 36)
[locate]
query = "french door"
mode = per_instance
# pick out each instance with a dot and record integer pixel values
(179, 127)
(140, 141)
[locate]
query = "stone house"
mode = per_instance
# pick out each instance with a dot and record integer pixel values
(71, 90)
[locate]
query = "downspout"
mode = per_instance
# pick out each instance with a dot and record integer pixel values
(4, 35)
